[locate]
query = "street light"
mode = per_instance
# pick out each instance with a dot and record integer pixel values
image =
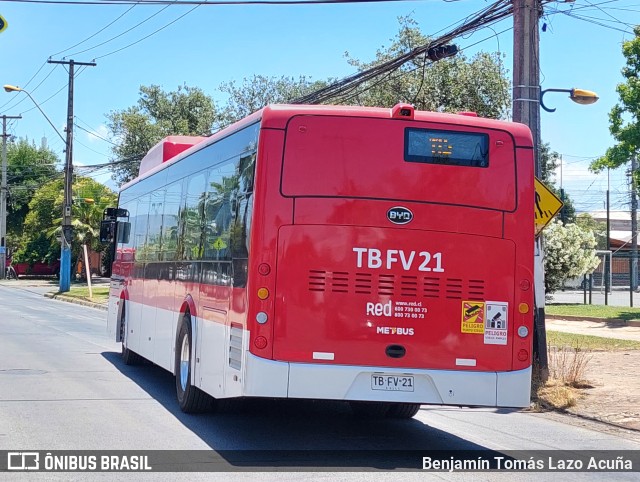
(65, 245)
(579, 96)
(14, 88)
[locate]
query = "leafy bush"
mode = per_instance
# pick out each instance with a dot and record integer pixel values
(569, 253)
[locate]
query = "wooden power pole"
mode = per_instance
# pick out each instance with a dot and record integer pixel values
(67, 234)
(526, 109)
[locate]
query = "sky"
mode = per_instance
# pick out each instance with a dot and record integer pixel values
(211, 44)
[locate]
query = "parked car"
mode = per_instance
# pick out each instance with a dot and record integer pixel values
(37, 269)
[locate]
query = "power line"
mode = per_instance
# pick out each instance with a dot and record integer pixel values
(434, 50)
(203, 2)
(122, 33)
(151, 34)
(97, 33)
(95, 135)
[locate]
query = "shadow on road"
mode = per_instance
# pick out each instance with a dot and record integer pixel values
(268, 434)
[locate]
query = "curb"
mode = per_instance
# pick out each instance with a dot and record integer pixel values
(604, 321)
(69, 299)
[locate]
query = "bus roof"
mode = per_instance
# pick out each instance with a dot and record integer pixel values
(276, 116)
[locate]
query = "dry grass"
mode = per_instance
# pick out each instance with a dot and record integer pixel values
(566, 376)
(556, 395)
(569, 365)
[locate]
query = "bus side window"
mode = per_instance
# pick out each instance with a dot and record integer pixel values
(124, 231)
(192, 217)
(170, 233)
(247, 171)
(140, 233)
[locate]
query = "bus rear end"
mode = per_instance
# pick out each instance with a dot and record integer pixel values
(396, 259)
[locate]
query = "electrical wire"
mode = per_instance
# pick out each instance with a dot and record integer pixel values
(31, 91)
(147, 36)
(203, 2)
(97, 33)
(487, 16)
(122, 33)
(608, 14)
(93, 133)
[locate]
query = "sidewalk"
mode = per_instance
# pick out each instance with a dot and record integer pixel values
(619, 331)
(49, 288)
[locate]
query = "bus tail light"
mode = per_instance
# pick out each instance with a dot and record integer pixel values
(523, 308)
(263, 293)
(264, 269)
(262, 317)
(523, 331)
(260, 342)
(523, 355)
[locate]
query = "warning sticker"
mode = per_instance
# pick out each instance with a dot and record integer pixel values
(496, 323)
(473, 317)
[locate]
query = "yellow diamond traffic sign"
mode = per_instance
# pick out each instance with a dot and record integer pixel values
(546, 207)
(3, 23)
(219, 244)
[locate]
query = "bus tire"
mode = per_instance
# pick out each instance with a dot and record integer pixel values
(403, 410)
(369, 409)
(191, 399)
(129, 357)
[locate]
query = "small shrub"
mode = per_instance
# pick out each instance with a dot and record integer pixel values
(566, 375)
(568, 365)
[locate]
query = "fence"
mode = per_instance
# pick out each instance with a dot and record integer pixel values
(610, 280)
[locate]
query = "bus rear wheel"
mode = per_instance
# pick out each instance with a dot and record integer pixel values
(129, 357)
(403, 410)
(369, 409)
(191, 399)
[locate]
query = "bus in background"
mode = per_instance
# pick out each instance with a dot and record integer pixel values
(382, 257)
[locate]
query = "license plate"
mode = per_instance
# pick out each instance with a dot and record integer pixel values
(392, 383)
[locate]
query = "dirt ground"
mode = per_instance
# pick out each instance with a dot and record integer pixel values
(614, 396)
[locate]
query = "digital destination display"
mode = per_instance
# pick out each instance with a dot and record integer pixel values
(446, 147)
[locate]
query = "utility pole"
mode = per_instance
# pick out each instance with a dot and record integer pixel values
(607, 260)
(67, 233)
(634, 227)
(526, 109)
(3, 197)
(563, 215)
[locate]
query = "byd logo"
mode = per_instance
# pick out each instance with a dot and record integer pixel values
(399, 215)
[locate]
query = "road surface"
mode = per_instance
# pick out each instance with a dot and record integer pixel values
(63, 386)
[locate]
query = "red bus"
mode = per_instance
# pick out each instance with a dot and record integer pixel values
(378, 256)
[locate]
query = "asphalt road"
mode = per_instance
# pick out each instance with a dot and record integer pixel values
(63, 386)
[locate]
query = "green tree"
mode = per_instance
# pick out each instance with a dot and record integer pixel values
(255, 93)
(186, 111)
(624, 118)
(569, 253)
(45, 206)
(43, 223)
(598, 228)
(28, 167)
(479, 84)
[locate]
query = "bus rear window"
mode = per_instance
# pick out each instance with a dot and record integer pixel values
(451, 148)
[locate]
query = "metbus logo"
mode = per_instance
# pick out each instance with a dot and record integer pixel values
(399, 215)
(394, 330)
